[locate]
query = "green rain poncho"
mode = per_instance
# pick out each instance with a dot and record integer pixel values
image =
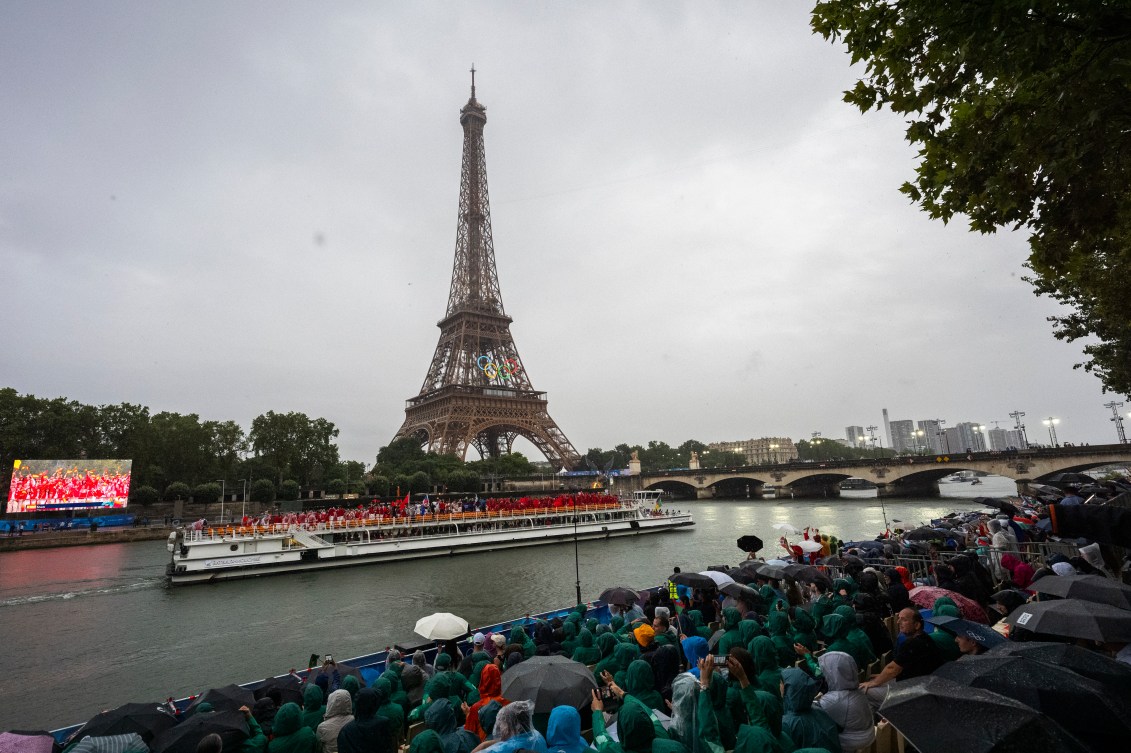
(779, 629)
(696, 617)
(519, 637)
(640, 683)
(351, 685)
(857, 637)
(748, 629)
(765, 657)
(635, 728)
(426, 742)
(625, 654)
(804, 629)
(835, 628)
(606, 644)
(441, 719)
(290, 734)
(586, 652)
(733, 636)
(387, 709)
(808, 726)
(313, 709)
(570, 640)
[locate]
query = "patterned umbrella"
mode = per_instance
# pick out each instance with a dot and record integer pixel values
(924, 596)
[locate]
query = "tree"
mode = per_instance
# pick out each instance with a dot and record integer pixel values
(402, 484)
(420, 482)
(177, 490)
(263, 491)
(295, 443)
(289, 490)
(379, 485)
(336, 486)
(206, 494)
(1021, 112)
(144, 496)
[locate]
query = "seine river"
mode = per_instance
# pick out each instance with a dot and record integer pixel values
(89, 628)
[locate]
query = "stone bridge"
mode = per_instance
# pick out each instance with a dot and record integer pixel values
(908, 476)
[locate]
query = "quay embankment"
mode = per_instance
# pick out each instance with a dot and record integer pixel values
(81, 537)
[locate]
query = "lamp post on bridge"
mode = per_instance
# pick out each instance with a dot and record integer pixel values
(872, 438)
(1051, 423)
(919, 441)
(221, 500)
(1117, 419)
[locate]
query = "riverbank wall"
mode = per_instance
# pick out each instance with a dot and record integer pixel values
(51, 539)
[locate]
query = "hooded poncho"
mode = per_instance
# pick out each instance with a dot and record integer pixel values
(367, 733)
(777, 624)
(441, 719)
(586, 652)
(514, 729)
(339, 713)
(694, 649)
(312, 708)
(640, 684)
(864, 654)
(386, 709)
(807, 726)
(766, 665)
(290, 734)
(563, 734)
(426, 742)
(844, 702)
(804, 629)
(606, 644)
(490, 689)
(733, 636)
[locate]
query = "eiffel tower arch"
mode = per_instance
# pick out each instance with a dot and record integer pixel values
(477, 393)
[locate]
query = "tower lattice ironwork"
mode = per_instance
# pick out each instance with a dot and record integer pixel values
(477, 392)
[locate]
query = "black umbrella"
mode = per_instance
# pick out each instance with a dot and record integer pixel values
(925, 534)
(145, 719)
(1082, 661)
(231, 726)
(1095, 588)
(1069, 480)
(832, 561)
(767, 570)
(750, 543)
(806, 574)
(984, 636)
(927, 711)
(227, 698)
(1074, 618)
(999, 504)
(1091, 712)
(549, 681)
(1010, 598)
(289, 687)
(694, 580)
(619, 595)
(745, 593)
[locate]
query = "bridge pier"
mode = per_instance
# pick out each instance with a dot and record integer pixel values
(705, 492)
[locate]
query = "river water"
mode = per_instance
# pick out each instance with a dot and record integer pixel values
(89, 628)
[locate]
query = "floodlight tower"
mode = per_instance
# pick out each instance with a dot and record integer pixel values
(1118, 419)
(1017, 416)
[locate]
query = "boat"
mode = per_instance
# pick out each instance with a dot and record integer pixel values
(210, 554)
(857, 483)
(960, 477)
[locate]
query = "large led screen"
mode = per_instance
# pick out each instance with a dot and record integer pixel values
(50, 485)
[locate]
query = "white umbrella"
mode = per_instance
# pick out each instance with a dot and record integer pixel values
(785, 527)
(441, 626)
(721, 579)
(808, 545)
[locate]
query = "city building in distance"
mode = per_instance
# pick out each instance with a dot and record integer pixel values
(761, 451)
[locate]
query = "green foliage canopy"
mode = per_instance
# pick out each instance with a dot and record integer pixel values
(1021, 112)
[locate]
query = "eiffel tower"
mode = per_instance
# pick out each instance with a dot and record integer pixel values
(477, 392)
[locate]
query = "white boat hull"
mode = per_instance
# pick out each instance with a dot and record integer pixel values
(234, 557)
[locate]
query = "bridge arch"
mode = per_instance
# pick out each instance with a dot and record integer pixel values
(678, 489)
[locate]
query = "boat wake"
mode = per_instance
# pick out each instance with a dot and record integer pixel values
(101, 590)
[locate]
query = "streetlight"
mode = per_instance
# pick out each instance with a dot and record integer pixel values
(1051, 423)
(245, 482)
(774, 453)
(872, 437)
(221, 500)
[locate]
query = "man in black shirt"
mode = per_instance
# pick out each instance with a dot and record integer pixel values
(918, 656)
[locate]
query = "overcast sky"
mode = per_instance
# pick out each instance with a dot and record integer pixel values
(230, 208)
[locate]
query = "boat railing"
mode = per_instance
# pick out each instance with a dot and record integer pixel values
(395, 521)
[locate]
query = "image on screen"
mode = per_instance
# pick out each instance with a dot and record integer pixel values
(52, 485)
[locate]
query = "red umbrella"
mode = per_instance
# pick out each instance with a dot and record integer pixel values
(924, 596)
